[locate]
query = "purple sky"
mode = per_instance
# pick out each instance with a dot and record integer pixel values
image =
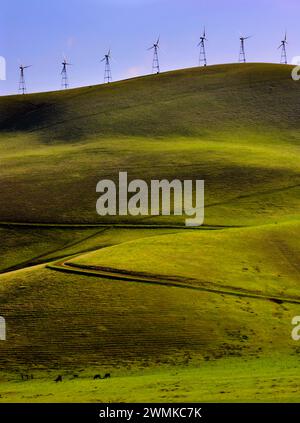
(39, 32)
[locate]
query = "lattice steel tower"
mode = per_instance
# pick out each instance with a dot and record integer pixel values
(64, 75)
(155, 62)
(202, 57)
(107, 70)
(242, 56)
(22, 82)
(282, 46)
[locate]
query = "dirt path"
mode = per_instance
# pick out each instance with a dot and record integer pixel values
(66, 267)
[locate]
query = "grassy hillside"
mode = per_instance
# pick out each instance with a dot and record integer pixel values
(190, 102)
(62, 321)
(159, 343)
(230, 380)
(23, 246)
(236, 126)
(263, 260)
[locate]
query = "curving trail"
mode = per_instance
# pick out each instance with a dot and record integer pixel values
(29, 262)
(114, 274)
(99, 228)
(115, 225)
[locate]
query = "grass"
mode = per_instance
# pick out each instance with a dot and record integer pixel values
(237, 127)
(269, 380)
(263, 260)
(62, 321)
(105, 326)
(24, 246)
(30, 245)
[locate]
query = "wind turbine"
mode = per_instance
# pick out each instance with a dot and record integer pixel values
(107, 70)
(64, 73)
(155, 63)
(282, 46)
(242, 57)
(22, 83)
(202, 58)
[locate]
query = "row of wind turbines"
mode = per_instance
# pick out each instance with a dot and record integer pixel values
(155, 62)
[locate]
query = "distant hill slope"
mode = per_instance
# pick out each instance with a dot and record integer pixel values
(236, 126)
(186, 102)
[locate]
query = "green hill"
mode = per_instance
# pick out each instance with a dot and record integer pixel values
(260, 260)
(236, 126)
(206, 312)
(190, 102)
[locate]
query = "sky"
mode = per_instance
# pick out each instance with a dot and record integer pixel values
(41, 32)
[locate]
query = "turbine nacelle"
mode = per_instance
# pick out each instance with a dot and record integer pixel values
(64, 71)
(21, 67)
(107, 56)
(155, 45)
(283, 42)
(203, 38)
(242, 39)
(65, 63)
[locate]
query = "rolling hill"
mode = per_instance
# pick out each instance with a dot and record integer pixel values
(236, 126)
(206, 312)
(258, 260)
